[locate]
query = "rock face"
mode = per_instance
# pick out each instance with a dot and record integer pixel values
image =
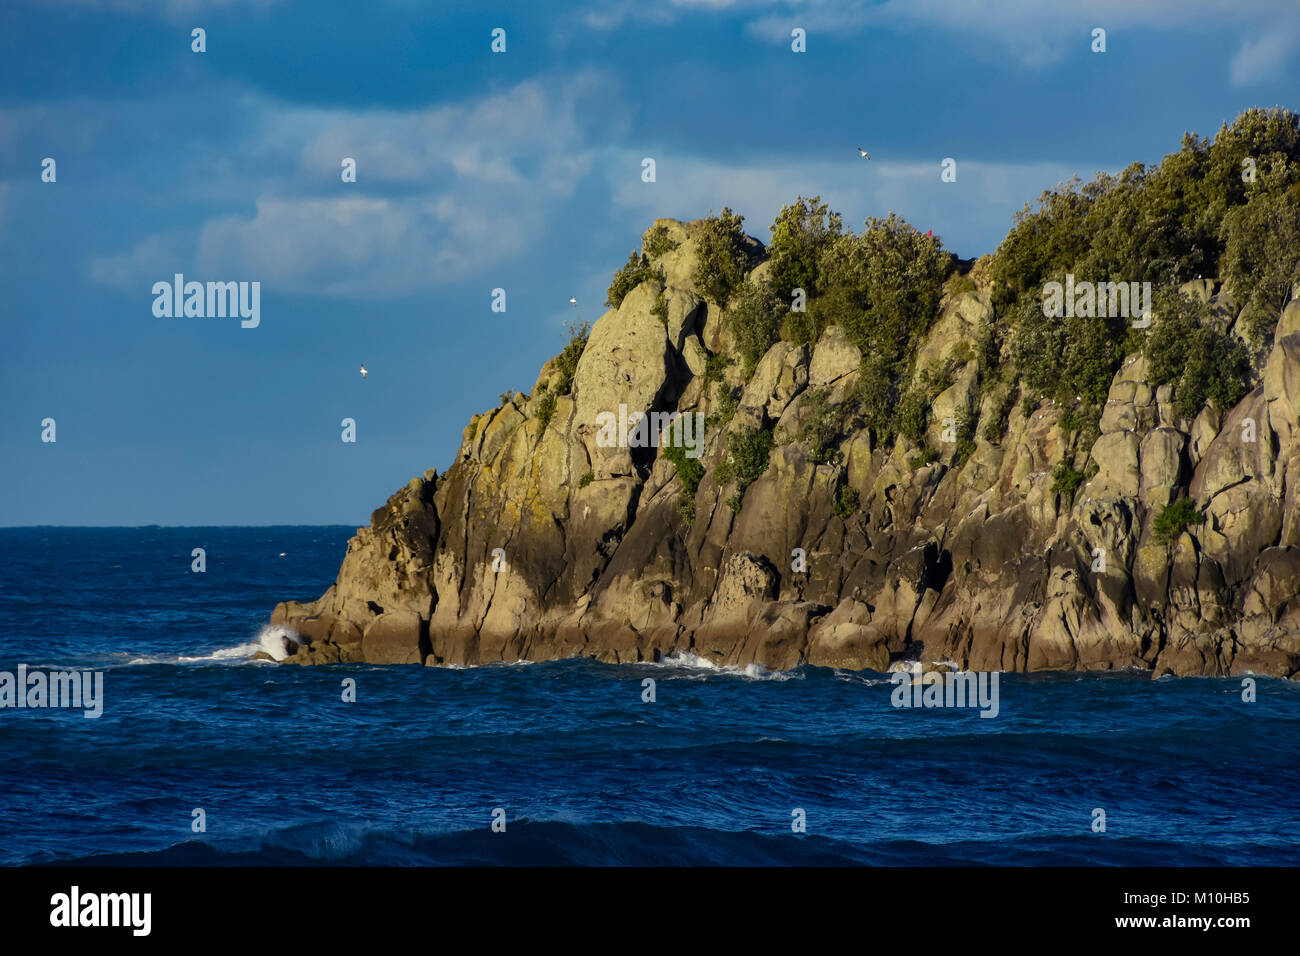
(543, 543)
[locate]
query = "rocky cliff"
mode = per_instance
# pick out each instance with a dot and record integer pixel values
(539, 542)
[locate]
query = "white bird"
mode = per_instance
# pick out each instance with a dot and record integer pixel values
(282, 554)
(363, 371)
(863, 152)
(572, 300)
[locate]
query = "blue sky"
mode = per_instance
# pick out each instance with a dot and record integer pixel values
(475, 171)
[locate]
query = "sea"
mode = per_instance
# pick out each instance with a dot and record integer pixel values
(205, 757)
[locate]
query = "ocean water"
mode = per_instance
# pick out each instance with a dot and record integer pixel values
(586, 772)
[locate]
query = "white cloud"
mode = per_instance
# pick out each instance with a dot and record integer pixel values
(168, 9)
(971, 215)
(154, 259)
(476, 182)
(1035, 33)
(1263, 59)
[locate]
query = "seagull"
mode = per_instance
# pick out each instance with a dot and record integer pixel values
(863, 152)
(363, 372)
(572, 300)
(282, 554)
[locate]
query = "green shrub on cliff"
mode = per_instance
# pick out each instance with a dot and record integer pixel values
(689, 470)
(745, 460)
(1184, 350)
(636, 270)
(725, 405)
(823, 427)
(1067, 479)
(721, 258)
(566, 365)
(883, 287)
(911, 416)
(799, 235)
(1261, 261)
(753, 321)
(656, 242)
(1065, 356)
(660, 310)
(545, 411)
(1176, 518)
(846, 502)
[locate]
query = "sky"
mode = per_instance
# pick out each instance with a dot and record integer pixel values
(478, 170)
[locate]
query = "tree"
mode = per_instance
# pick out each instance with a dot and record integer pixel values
(721, 256)
(799, 234)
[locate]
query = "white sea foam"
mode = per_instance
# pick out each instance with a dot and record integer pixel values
(276, 640)
(751, 671)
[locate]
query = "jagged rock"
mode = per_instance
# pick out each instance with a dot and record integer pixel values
(540, 543)
(834, 357)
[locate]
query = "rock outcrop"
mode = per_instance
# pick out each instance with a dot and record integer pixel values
(542, 543)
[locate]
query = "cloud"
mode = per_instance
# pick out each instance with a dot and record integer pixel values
(151, 260)
(972, 214)
(442, 194)
(1034, 33)
(173, 10)
(1262, 60)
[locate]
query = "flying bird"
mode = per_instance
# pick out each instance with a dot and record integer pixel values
(363, 372)
(863, 152)
(573, 300)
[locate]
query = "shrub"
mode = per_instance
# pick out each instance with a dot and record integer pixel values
(753, 321)
(656, 242)
(799, 234)
(725, 407)
(566, 365)
(911, 416)
(746, 459)
(1190, 214)
(803, 328)
(1067, 479)
(876, 396)
(721, 258)
(996, 426)
(636, 270)
(545, 411)
(846, 502)
(1184, 350)
(586, 479)
(822, 428)
(884, 286)
(1062, 357)
(925, 456)
(715, 366)
(689, 470)
(1176, 518)
(1261, 262)
(660, 309)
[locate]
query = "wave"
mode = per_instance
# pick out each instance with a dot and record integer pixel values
(693, 662)
(636, 843)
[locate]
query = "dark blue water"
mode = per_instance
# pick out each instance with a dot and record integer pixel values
(585, 771)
